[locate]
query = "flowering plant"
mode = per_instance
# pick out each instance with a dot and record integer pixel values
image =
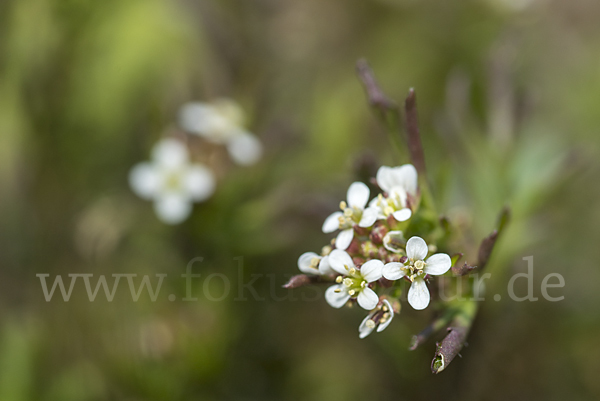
(395, 243)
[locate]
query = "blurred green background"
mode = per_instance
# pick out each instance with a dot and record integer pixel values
(509, 98)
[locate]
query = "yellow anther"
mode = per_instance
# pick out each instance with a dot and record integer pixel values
(343, 205)
(384, 308)
(352, 271)
(386, 315)
(388, 210)
(363, 284)
(383, 320)
(348, 212)
(339, 279)
(370, 324)
(351, 293)
(314, 262)
(337, 290)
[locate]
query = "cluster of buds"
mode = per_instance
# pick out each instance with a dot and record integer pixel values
(171, 180)
(370, 256)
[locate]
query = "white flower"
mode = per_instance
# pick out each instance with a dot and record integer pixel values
(397, 182)
(311, 263)
(380, 318)
(221, 122)
(171, 181)
(353, 282)
(416, 268)
(353, 212)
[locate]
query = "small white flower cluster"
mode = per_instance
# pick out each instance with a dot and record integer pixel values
(171, 180)
(221, 122)
(370, 252)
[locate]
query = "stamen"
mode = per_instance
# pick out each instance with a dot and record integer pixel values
(337, 290)
(339, 279)
(370, 324)
(384, 308)
(351, 293)
(352, 271)
(363, 284)
(343, 205)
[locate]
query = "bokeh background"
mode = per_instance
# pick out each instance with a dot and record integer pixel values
(509, 99)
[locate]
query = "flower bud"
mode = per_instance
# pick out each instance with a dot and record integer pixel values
(298, 281)
(379, 231)
(394, 241)
(369, 250)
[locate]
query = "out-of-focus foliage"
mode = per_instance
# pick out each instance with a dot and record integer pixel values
(509, 94)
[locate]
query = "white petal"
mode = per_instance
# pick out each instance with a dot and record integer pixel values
(398, 177)
(332, 222)
(369, 217)
(385, 178)
(418, 294)
(402, 214)
(336, 299)
(195, 117)
(367, 299)
(371, 270)
(144, 180)
(199, 182)
(170, 153)
(406, 177)
(172, 208)
(382, 326)
(245, 149)
(304, 263)
(392, 271)
(416, 248)
(230, 110)
(324, 267)
(358, 195)
(344, 238)
(438, 264)
(363, 329)
(340, 261)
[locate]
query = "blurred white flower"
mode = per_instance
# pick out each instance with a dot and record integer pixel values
(171, 181)
(380, 318)
(311, 263)
(353, 212)
(353, 282)
(416, 268)
(397, 183)
(221, 122)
